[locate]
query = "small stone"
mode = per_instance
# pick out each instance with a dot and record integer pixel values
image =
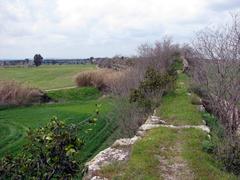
(204, 122)
(204, 128)
(141, 133)
(146, 127)
(125, 142)
(201, 108)
(98, 178)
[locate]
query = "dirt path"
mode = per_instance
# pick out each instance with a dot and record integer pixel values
(174, 167)
(57, 89)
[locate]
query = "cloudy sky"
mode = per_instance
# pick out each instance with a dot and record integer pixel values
(84, 28)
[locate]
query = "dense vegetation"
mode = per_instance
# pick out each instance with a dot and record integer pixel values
(48, 154)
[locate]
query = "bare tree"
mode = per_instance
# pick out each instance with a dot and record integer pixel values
(158, 56)
(216, 56)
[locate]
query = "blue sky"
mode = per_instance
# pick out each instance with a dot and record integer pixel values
(84, 28)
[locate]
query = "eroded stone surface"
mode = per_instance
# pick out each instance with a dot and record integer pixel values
(98, 178)
(201, 108)
(125, 142)
(141, 133)
(105, 157)
(146, 127)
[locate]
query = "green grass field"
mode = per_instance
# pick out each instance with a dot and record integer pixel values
(176, 107)
(74, 106)
(46, 76)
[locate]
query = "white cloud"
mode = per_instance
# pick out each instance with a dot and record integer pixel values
(70, 28)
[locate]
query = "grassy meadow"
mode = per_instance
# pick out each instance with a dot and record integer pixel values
(70, 105)
(74, 106)
(46, 76)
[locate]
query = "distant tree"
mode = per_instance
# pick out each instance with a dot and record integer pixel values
(37, 59)
(27, 60)
(91, 59)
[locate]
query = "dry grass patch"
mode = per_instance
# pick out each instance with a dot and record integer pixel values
(14, 93)
(104, 79)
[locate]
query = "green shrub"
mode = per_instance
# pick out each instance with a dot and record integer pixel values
(217, 133)
(208, 146)
(195, 100)
(50, 153)
(200, 91)
(177, 63)
(151, 89)
(226, 149)
(216, 128)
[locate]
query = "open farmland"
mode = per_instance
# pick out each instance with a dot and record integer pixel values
(75, 106)
(46, 76)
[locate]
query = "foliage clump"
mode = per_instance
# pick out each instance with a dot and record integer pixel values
(50, 153)
(153, 85)
(37, 59)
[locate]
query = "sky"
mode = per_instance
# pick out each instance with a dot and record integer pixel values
(100, 28)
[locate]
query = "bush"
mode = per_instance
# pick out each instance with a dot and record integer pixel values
(92, 78)
(128, 117)
(208, 146)
(151, 89)
(50, 154)
(198, 90)
(104, 80)
(225, 148)
(216, 129)
(14, 93)
(228, 153)
(195, 100)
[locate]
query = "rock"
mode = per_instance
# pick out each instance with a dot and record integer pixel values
(135, 139)
(209, 137)
(105, 157)
(204, 128)
(146, 127)
(201, 108)
(204, 122)
(154, 112)
(141, 133)
(154, 120)
(125, 142)
(98, 178)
